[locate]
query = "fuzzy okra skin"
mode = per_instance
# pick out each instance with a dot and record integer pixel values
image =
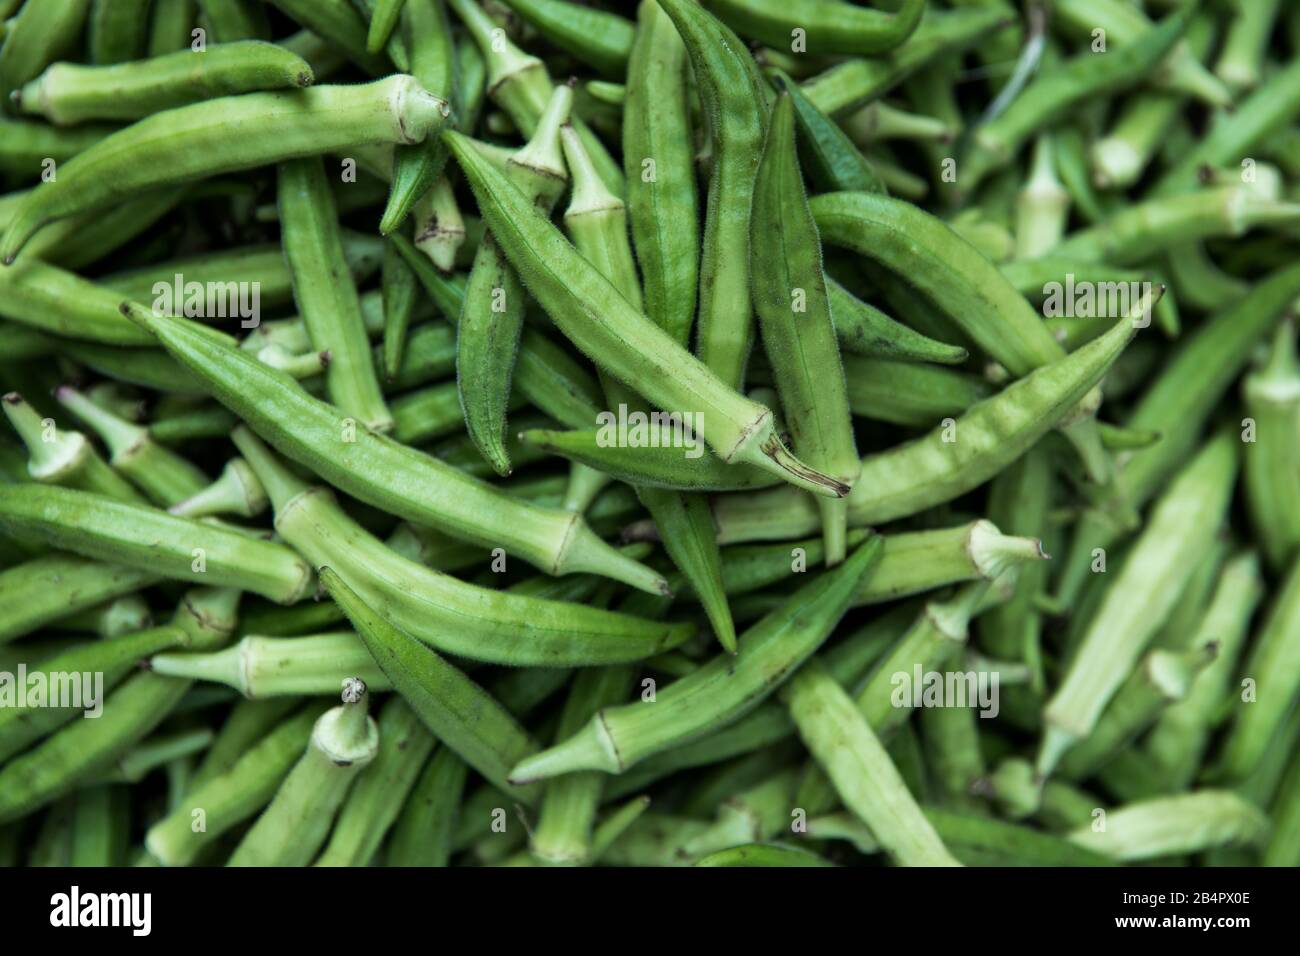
(601, 322)
(720, 692)
(72, 93)
(830, 27)
(794, 311)
(385, 474)
(225, 135)
(451, 705)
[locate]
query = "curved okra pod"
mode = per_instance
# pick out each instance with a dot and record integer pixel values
(416, 167)
(833, 161)
(218, 137)
(848, 86)
(866, 779)
(459, 712)
(992, 434)
(385, 474)
(66, 458)
(1169, 826)
(164, 476)
(734, 97)
(492, 317)
(154, 541)
(627, 344)
(794, 312)
(423, 831)
(263, 667)
(596, 37)
(452, 616)
(36, 37)
(1137, 602)
(374, 802)
(1271, 395)
(830, 27)
(596, 219)
(228, 798)
(325, 293)
(657, 154)
(236, 491)
(28, 720)
(291, 830)
(1057, 88)
(721, 691)
(72, 93)
(1177, 405)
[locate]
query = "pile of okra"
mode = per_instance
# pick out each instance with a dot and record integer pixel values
(731, 433)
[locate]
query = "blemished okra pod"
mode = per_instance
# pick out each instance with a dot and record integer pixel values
(1271, 396)
(23, 722)
(661, 198)
(232, 796)
(732, 95)
(1141, 596)
(52, 586)
(459, 712)
(291, 830)
(71, 93)
(721, 691)
(385, 474)
(626, 343)
(866, 779)
(830, 27)
(451, 615)
(326, 296)
(376, 799)
(794, 311)
(218, 138)
(264, 667)
(154, 541)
